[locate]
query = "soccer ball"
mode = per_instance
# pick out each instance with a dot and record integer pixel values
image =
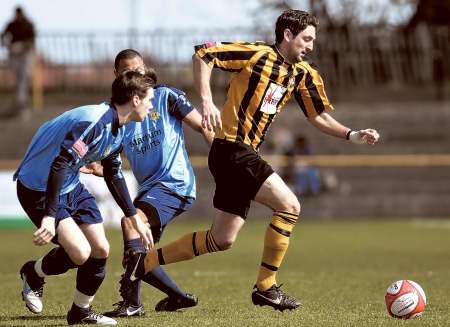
(405, 299)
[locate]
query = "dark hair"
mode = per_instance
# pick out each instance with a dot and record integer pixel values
(126, 54)
(295, 20)
(131, 83)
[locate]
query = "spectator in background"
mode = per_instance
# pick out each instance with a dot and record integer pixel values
(19, 37)
(305, 179)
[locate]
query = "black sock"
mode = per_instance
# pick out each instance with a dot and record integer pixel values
(57, 262)
(90, 276)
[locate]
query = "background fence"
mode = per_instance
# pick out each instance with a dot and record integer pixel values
(348, 58)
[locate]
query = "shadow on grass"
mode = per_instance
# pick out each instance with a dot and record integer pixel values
(22, 318)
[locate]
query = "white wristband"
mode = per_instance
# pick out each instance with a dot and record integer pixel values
(356, 138)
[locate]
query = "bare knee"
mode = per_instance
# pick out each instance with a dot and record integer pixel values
(291, 205)
(100, 250)
(224, 242)
(80, 254)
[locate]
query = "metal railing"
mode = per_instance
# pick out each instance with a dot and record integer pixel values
(347, 58)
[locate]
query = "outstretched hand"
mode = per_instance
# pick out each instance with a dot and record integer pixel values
(369, 136)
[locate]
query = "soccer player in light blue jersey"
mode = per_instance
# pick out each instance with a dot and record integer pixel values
(156, 151)
(50, 192)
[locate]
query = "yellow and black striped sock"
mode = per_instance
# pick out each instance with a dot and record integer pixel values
(185, 248)
(276, 243)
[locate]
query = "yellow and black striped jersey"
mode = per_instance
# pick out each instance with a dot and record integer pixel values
(261, 84)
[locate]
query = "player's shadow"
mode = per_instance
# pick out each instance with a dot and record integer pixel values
(22, 318)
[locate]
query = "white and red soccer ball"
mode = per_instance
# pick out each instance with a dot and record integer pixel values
(405, 299)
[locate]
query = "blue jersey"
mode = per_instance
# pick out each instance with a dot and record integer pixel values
(155, 147)
(85, 134)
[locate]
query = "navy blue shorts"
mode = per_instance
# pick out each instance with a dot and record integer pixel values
(78, 204)
(161, 205)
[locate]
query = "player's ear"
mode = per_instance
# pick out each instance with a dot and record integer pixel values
(288, 36)
(135, 100)
(116, 73)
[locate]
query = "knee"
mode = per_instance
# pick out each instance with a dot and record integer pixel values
(225, 242)
(80, 255)
(291, 205)
(101, 250)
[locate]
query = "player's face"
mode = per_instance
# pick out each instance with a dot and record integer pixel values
(142, 107)
(135, 63)
(301, 44)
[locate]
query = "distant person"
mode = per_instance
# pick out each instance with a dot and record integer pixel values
(19, 37)
(264, 78)
(304, 178)
(50, 192)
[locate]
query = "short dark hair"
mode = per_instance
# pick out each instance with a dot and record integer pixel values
(295, 20)
(126, 54)
(131, 83)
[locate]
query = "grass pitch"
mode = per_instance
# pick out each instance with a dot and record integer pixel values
(339, 269)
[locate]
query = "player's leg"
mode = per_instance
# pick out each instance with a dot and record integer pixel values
(57, 261)
(275, 194)
(157, 206)
(91, 272)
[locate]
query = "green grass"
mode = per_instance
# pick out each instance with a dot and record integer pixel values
(339, 269)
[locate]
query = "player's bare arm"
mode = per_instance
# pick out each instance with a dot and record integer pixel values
(194, 121)
(202, 76)
(328, 125)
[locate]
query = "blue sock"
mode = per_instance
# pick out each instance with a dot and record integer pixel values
(158, 278)
(137, 246)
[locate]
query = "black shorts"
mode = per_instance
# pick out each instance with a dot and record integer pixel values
(239, 172)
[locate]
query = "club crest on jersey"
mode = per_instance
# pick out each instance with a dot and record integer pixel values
(154, 115)
(272, 97)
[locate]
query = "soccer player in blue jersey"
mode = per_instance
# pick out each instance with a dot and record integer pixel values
(159, 161)
(50, 192)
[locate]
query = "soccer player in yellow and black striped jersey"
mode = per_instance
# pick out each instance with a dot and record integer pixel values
(264, 78)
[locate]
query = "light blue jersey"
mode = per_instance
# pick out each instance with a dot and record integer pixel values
(85, 134)
(155, 147)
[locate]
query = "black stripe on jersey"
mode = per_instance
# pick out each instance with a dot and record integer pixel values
(229, 55)
(297, 94)
(255, 77)
(259, 114)
(160, 257)
(315, 96)
(280, 231)
(194, 246)
(265, 265)
(270, 119)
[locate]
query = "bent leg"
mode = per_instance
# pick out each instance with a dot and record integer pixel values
(91, 273)
(275, 194)
(220, 237)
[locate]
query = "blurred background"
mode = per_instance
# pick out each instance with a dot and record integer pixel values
(385, 64)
